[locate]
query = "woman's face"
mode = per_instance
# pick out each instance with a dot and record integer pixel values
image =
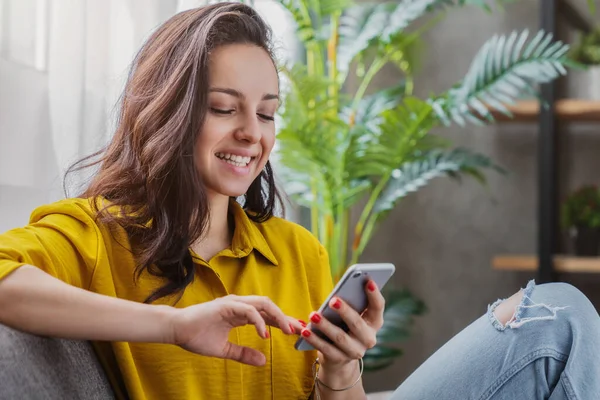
(238, 133)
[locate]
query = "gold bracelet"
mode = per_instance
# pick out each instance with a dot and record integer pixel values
(318, 382)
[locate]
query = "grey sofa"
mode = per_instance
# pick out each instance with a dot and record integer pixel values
(33, 367)
(38, 368)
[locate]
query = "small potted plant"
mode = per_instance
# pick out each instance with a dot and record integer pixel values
(587, 53)
(580, 216)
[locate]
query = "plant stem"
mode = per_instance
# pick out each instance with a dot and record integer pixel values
(339, 238)
(310, 62)
(344, 237)
(375, 66)
(332, 62)
(359, 229)
(366, 235)
(329, 241)
(314, 210)
(409, 85)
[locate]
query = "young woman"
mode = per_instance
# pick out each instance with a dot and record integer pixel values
(156, 251)
(188, 294)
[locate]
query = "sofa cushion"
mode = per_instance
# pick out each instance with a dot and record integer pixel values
(33, 367)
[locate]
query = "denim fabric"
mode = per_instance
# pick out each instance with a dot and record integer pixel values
(550, 349)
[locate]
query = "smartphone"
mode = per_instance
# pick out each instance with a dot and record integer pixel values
(350, 288)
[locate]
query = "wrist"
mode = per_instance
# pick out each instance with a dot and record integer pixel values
(166, 317)
(340, 375)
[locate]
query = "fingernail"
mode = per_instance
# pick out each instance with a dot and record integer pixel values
(371, 286)
(267, 335)
(292, 328)
(305, 332)
(337, 304)
(316, 318)
(302, 323)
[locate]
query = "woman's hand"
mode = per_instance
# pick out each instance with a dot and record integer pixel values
(204, 328)
(351, 346)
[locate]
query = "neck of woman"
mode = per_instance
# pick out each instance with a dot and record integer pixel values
(219, 234)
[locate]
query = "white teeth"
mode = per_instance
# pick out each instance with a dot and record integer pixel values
(233, 159)
(237, 164)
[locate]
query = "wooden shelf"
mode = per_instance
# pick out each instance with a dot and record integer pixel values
(566, 110)
(561, 263)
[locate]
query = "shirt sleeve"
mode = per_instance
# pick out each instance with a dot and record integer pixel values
(62, 239)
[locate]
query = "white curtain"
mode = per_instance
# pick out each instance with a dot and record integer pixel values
(92, 43)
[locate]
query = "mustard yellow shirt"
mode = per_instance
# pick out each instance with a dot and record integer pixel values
(276, 258)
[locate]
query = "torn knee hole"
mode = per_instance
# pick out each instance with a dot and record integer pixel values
(505, 312)
(520, 309)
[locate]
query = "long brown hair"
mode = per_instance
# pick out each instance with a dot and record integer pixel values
(147, 171)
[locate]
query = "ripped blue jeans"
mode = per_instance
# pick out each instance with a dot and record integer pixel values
(549, 349)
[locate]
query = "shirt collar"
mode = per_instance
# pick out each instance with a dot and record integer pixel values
(247, 236)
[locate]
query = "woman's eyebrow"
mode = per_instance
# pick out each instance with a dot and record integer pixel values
(240, 95)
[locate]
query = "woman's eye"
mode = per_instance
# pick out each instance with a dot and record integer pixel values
(221, 111)
(267, 117)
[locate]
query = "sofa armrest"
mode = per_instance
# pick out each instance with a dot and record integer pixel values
(34, 367)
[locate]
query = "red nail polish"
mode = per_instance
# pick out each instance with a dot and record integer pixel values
(315, 318)
(371, 286)
(292, 328)
(302, 323)
(267, 335)
(337, 304)
(305, 332)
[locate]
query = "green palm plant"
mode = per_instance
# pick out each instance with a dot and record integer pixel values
(343, 150)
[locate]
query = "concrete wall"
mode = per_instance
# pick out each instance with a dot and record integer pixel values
(442, 239)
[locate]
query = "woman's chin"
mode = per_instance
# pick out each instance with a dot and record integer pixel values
(233, 191)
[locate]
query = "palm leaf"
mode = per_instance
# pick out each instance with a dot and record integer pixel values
(377, 151)
(359, 27)
(305, 98)
(435, 163)
(353, 191)
(331, 7)
(366, 24)
(407, 12)
(302, 170)
(405, 50)
(400, 309)
(363, 25)
(370, 108)
(484, 4)
(503, 70)
(300, 11)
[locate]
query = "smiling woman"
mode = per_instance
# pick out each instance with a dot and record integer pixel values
(187, 293)
(157, 250)
(239, 131)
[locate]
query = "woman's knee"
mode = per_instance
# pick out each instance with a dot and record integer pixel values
(541, 302)
(562, 294)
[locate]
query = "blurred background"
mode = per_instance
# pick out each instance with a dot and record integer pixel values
(457, 246)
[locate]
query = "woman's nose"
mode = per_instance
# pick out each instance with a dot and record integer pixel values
(249, 131)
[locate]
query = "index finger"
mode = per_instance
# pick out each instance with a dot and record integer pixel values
(247, 314)
(374, 313)
(269, 310)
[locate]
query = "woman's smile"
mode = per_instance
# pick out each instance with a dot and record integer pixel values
(236, 163)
